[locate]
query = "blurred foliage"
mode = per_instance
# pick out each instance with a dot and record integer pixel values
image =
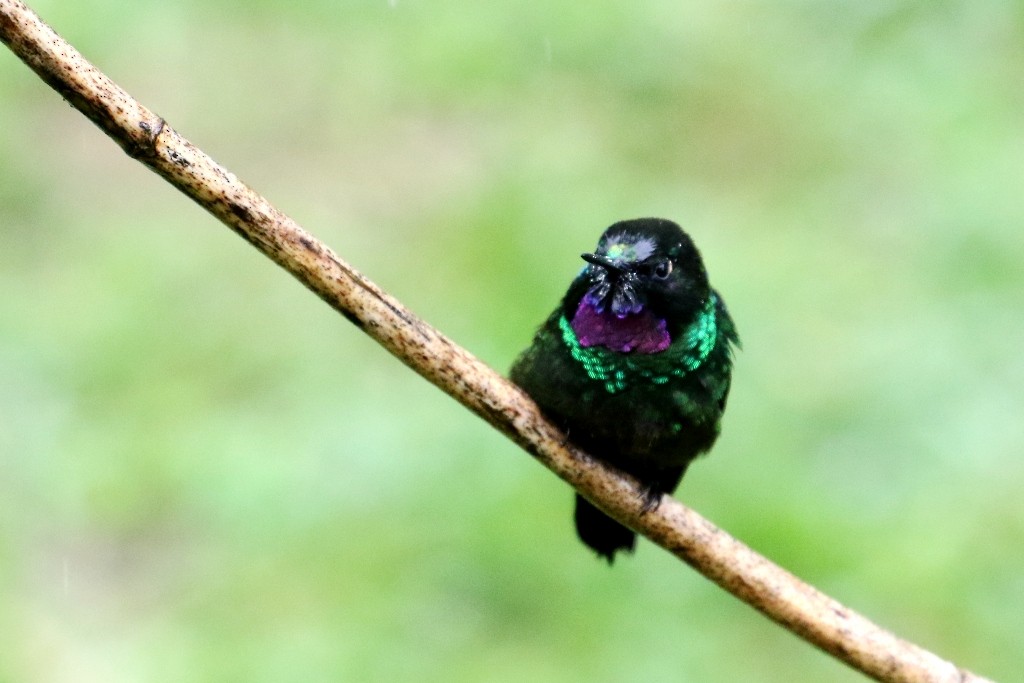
(206, 475)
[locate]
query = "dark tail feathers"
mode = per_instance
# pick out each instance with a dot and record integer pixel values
(600, 532)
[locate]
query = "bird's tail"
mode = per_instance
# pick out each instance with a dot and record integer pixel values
(603, 534)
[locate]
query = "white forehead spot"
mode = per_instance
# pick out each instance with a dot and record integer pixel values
(624, 247)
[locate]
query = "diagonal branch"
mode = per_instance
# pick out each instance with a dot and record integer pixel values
(778, 594)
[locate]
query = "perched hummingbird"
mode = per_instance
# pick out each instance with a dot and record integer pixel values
(634, 364)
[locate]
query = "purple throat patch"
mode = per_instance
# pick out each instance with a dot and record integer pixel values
(640, 332)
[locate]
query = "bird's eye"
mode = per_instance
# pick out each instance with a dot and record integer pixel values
(662, 270)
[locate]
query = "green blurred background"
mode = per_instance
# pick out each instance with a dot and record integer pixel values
(207, 475)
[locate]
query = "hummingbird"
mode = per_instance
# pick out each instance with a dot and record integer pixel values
(634, 365)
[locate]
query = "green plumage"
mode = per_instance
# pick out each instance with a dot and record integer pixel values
(620, 371)
(652, 409)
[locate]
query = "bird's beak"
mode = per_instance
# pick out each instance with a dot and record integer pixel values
(616, 287)
(602, 261)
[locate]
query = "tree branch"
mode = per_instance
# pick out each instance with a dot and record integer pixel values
(778, 594)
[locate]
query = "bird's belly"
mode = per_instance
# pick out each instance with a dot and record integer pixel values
(626, 429)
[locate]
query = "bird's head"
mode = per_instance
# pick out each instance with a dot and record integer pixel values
(646, 264)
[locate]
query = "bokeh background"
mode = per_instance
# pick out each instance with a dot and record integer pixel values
(207, 475)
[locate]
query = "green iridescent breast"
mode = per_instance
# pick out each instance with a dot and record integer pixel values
(620, 371)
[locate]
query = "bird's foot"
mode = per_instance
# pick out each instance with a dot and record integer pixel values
(564, 442)
(652, 499)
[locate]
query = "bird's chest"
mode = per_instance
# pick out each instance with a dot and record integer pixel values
(645, 422)
(624, 407)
